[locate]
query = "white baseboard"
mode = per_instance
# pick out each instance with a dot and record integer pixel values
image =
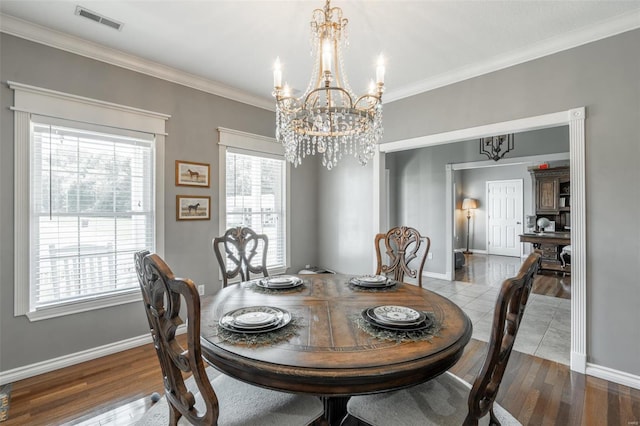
(42, 367)
(462, 250)
(31, 370)
(436, 275)
(612, 375)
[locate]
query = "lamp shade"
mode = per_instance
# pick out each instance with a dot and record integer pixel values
(469, 203)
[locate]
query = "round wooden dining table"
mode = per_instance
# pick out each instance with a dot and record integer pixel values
(328, 353)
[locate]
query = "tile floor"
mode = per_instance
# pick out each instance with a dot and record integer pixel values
(546, 326)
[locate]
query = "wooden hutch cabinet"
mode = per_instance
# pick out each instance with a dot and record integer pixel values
(547, 189)
(552, 198)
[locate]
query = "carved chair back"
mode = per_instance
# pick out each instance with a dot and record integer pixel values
(402, 245)
(507, 316)
(162, 295)
(241, 247)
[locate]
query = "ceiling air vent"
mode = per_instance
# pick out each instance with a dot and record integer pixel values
(86, 13)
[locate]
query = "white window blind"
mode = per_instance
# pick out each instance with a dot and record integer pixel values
(255, 198)
(92, 207)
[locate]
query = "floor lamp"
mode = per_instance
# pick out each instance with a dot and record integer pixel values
(468, 204)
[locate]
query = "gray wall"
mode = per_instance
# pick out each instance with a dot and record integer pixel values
(192, 136)
(603, 77)
(345, 220)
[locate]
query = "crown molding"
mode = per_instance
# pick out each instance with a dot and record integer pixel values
(46, 36)
(579, 37)
(59, 40)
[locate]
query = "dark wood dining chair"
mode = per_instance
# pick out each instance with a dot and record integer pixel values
(223, 400)
(447, 399)
(402, 245)
(241, 247)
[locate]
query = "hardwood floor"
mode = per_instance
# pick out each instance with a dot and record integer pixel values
(552, 284)
(542, 392)
(491, 270)
(87, 389)
(115, 390)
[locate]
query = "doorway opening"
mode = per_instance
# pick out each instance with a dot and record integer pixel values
(574, 118)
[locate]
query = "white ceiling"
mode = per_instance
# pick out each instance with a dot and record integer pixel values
(228, 47)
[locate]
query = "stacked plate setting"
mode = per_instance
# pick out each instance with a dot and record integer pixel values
(399, 318)
(372, 281)
(280, 282)
(255, 319)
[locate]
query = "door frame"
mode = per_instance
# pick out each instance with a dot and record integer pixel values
(575, 119)
(521, 201)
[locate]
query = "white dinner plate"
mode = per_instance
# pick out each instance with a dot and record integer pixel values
(396, 314)
(372, 279)
(421, 325)
(375, 319)
(282, 280)
(384, 284)
(254, 319)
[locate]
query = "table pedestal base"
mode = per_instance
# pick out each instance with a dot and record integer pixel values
(335, 409)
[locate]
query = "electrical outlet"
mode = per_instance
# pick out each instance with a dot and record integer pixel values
(430, 256)
(201, 290)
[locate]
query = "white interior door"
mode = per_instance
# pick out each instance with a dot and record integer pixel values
(504, 217)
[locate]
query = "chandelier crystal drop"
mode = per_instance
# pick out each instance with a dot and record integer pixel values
(328, 118)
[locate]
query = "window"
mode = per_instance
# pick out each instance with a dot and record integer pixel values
(88, 183)
(260, 196)
(268, 219)
(255, 191)
(92, 208)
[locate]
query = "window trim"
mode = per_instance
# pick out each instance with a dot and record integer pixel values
(249, 143)
(31, 100)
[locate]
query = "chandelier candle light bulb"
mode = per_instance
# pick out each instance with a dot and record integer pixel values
(380, 70)
(277, 74)
(327, 52)
(328, 118)
(372, 88)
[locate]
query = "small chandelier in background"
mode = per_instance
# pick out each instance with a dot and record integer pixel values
(495, 147)
(328, 118)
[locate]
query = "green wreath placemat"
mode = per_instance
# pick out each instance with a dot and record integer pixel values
(261, 339)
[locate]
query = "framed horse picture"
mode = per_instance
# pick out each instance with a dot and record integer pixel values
(193, 207)
(192, 174)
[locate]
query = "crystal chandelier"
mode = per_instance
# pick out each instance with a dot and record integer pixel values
(328, 118)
